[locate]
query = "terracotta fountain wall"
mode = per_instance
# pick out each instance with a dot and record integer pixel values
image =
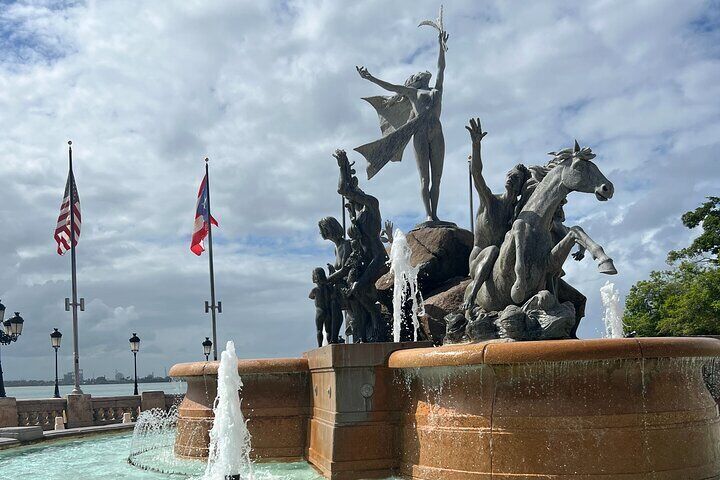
(600, 409)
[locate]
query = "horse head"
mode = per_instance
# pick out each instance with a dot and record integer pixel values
(579, 174)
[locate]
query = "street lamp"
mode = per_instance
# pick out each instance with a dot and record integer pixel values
(134, 348)
(207, 347)
(12, 329)
(55, 338)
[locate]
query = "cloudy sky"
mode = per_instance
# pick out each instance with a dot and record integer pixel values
(268, 90)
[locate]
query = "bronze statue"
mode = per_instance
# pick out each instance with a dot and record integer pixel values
(517, 290)
(321, 294)
(330, 229)
(528, 255)
(367, 260)
(494, 217)
(413, 112)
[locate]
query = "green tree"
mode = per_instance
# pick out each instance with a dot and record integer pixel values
(707, 244)
(684, 300)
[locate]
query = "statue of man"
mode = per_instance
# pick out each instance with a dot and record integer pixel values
(370, 257)
(330, 229)
(494, 216)
(413, 112)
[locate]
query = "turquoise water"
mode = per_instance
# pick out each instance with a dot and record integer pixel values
(104, 457)
(108, 390)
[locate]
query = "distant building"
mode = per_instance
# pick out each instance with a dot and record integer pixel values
(119, 377)
(69, 378)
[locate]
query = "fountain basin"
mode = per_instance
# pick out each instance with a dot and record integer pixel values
(569, 409)
(275, 402)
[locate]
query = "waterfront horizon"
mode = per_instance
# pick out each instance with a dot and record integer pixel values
(96, 390)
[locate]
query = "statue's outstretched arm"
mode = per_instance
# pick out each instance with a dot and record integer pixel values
(442, 40)
(476, 135)
(338, 274)
(348, 188)
(391, 87)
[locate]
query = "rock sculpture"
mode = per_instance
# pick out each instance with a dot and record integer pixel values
(412, 113)
(520, 245)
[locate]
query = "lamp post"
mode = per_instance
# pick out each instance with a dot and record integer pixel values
(207, 348)
(134, 348)
(12, 329)
(55, 338)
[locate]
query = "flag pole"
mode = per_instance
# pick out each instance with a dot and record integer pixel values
(213, 306)
(76, 354)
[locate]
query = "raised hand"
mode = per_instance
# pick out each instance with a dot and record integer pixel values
(364, 73)
(475, 129)
(387, 233)
(341, 157)
(443, 38)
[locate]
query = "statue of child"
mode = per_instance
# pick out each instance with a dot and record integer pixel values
(321, 294)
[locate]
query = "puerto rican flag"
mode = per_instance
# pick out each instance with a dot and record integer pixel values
(202, 219)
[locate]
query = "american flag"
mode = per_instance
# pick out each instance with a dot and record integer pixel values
(202, 219)
(62, 231)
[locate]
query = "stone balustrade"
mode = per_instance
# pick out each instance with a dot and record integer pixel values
(108, 410)
(40, 412)
(80, 410)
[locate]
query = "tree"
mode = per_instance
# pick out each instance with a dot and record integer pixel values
(707, 244)
(684, 300)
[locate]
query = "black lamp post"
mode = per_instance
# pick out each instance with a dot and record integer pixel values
(12, 328)
(207, 347)
(134, 348)
(55, 338)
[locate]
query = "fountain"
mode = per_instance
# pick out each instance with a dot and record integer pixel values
(229, 455)
(513, 393)
(405, 287)
(152, 444)
(613, 311)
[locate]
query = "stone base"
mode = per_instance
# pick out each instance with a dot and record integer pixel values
(434, 224)
(79, 410)
(150, 400)
(22, 434)
(354, 422)
(8, 412)
(568, 409)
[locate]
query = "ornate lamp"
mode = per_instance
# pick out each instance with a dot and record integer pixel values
(207, 347)
(55, 337)
(134, 343)
(11, 331)
(134, 348)
(16, 324)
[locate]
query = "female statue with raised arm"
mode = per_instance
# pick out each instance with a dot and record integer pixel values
(413, 112)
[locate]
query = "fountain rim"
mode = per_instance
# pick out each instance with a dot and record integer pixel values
(245, 367)
(505, 353)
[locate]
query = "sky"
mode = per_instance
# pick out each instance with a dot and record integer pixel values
(268, 90)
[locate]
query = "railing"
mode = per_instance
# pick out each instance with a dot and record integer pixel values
(40, 412)
(94, 411)
(108, 410)
(173, 400)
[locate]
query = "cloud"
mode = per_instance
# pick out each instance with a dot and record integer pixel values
(268, 90)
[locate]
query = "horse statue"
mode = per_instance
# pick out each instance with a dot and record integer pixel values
(530, 259)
